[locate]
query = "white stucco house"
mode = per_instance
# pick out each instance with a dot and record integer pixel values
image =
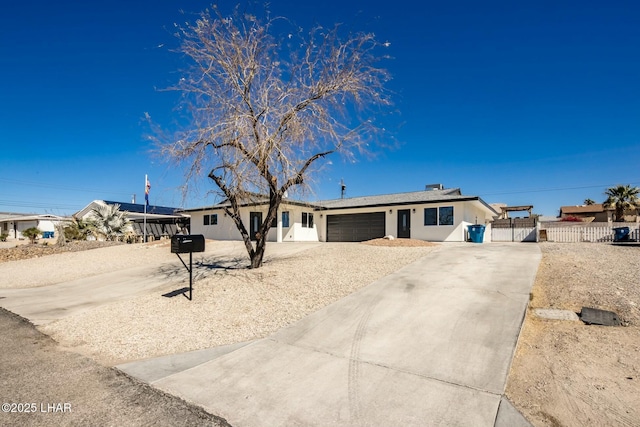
(12, 224)
(439, 215)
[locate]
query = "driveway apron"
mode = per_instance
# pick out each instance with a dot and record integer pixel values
(430, 344)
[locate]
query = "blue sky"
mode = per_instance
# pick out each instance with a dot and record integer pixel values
(519, 102)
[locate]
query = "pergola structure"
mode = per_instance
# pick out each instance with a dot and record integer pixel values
(506, 209)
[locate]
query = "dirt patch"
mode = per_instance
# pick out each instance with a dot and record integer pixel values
(38, 250)
(398, 242)
(566, 373)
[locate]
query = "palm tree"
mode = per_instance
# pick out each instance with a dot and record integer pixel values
(620, 198)
(589, 202)
(109, 221)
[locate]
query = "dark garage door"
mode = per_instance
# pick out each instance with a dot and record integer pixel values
(355, 227)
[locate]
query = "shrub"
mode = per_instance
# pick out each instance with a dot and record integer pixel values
(3, 237)
(31, 233)
(77, 229)
(571, 218)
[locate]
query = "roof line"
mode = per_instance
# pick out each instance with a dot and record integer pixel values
(444, 190)
(257, 203)
(318, 207)
(415, 202)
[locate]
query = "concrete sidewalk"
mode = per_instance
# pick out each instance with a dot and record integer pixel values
(428, 345)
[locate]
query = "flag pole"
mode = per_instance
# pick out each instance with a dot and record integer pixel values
(144, 228)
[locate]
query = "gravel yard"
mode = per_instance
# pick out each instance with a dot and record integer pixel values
(19, 249)
(230, 304)
(566, 373)
(39, 265)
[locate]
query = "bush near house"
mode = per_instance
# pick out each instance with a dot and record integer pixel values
(31, 233)
(78, 229)
(3, 237)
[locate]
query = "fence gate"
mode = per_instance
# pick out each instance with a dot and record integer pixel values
(514, 230)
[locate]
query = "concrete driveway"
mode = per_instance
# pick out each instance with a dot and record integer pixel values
(430, 344)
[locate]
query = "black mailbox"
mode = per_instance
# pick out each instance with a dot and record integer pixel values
(183, 244)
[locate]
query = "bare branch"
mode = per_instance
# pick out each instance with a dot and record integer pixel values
(263, 107)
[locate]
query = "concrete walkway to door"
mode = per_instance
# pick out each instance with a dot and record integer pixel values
(430, 344)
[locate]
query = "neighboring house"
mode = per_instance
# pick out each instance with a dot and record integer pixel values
(13, 224)
(161, 221)
(434, 215)
(588, 213)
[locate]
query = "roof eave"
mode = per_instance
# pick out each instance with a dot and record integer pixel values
(415, 202)
(248, 204)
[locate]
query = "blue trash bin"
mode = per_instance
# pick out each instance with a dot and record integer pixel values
(621, 234)
(476, 233)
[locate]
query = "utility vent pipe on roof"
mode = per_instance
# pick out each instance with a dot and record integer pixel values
(430, 187)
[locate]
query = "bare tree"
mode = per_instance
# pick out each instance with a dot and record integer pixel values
(265, 105)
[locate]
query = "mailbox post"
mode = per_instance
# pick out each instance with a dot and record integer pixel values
(189, 243)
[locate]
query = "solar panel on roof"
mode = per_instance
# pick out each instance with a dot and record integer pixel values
(139, 208)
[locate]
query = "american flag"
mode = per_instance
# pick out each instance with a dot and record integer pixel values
(147, 187)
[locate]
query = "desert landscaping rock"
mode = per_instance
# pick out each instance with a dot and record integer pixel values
(21, 250)
(392, 241)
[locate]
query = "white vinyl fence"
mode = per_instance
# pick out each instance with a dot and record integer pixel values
(593, 232)
(514, 230)
(515, 234)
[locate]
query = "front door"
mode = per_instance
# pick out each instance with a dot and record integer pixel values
(255, 218)
(404, 224)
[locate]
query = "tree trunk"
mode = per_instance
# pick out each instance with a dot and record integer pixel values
(62, 240)
(258, 254)
(261, 241)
